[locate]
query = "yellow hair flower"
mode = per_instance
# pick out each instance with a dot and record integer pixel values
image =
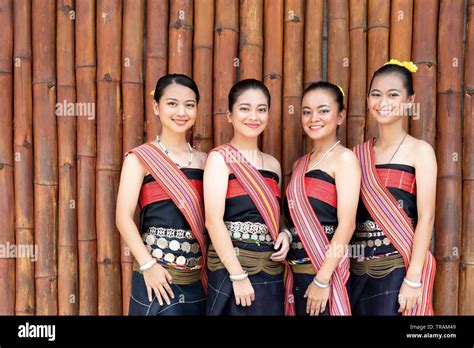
(342, 91)
(152, 93)
(408, 65)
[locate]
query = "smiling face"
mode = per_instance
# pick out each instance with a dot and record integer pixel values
(320, 114)
(177, 108)
(388, 99)
(249, 114)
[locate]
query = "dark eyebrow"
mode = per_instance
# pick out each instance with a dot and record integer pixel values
(174, 99)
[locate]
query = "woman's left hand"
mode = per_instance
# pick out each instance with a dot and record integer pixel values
(317, 299)
(282, 243)
(409, 297)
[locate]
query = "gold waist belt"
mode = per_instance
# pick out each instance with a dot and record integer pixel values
(252, 262)
(180, 277)
(377, 268)
(303, 268)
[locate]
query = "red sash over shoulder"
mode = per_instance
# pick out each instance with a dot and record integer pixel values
(181, 191)
(264, 199)
(314, 239)
(393, 220)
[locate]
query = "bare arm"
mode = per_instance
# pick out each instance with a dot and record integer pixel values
(157, 279)
(131, 181)
(348, 179)
(216, 182)
(426, 173)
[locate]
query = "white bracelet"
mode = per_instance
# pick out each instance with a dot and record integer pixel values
(321, 285)
(412, 284)
(238, 276)
(287, 231)
(148, 265)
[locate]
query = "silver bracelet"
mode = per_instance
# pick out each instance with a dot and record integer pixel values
(148, 265)
(412, 284)
(320, 285)
(238, 276)
(288, 233)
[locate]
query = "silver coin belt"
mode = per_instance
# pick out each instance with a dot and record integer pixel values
(370, 228)
(156, 242)
(249, 231)
(328, 229)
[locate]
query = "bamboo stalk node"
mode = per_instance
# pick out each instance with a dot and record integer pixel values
(179, 24)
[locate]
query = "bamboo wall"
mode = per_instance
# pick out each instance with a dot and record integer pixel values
(59, 170)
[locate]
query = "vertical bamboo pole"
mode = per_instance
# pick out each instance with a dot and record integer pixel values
(109, 153)
(338, 50)
(68, 287)
(226, 35)
(180, 52)
(132, 92)
(358, 72)
(378, 45)
(23, 149)
(400, 35)
(425, 30)
(156, 58)
(202, 69)
(466, 289)
(45, 155)
(86, 156)
(251, 39)
(313, 47)
(273, 73)
(7, 204)
(292, 86)
(448, 146)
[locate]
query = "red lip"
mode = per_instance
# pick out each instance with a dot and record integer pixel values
(180, 122)
(252, 125)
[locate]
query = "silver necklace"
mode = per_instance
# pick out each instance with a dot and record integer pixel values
(165, 150)
(325, 154)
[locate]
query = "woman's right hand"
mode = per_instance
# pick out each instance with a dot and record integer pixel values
(158, 279)
(243, 292)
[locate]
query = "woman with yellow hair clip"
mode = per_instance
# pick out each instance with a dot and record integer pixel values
(395, 273)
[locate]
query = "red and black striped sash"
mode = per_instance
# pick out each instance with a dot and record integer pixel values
(394, 221)
(321, 190)
(180, 190)
(314, 239)
(152, 192)
(266, 202)
(235, 189)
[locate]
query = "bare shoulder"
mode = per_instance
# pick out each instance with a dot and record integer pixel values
(271, 163)
(424, 153)
(215, 159)
(423, 147)
(345, 157)
(200, 157)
